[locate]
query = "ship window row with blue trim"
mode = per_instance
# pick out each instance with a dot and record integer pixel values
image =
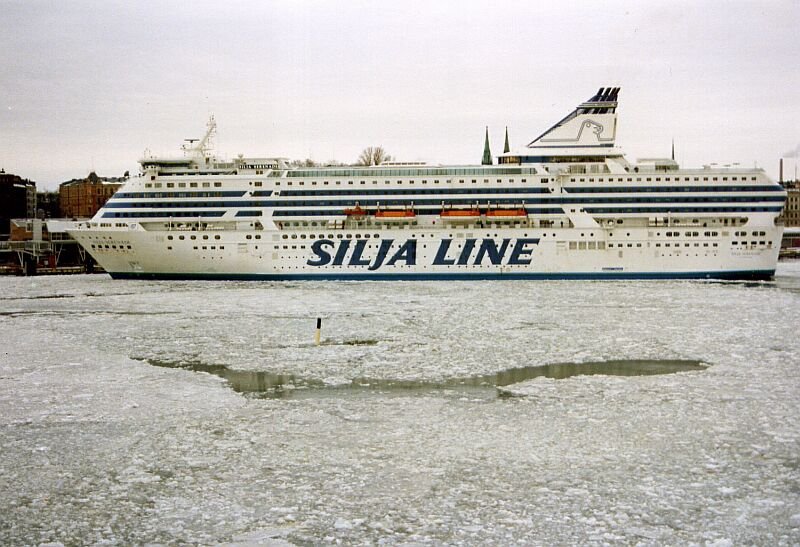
(184, 204)
(445, 191)
(400, 181)
(554, 200)
(165, 214)
(638, 189)
(413, 191)
(556, 211)
(670, 199)
(658, 179)
(618, 210)
(320, 203)
(339, 212)
(217, 194)
(555, 159)
(410, 172)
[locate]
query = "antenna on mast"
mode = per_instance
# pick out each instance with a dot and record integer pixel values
(204, 145)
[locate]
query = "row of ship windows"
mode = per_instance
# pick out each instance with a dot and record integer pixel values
(401, 225)
(182, 184)
(413, 192)
(195, 237)
(204, 248)
(542, 223)
(406, 172)
(107, 246)
(451, 235)
(400, 181)
(446, 191)
(658, 179)
(377, 236)
(581, 245)
(206, 194)
(367, 236)
(679, 234)
(618, 210)
(218, 184)
(676, 245)
(665, 189)
(573, 245)
(176, 214)
(517, 201)
(460, 181)
(533, 211)
(459, 235)
(559, 211)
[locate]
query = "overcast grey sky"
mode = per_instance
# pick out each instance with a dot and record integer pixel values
(91, 84)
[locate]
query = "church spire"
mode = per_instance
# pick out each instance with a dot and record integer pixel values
(487, 153)
(673, 149)
(506, 148)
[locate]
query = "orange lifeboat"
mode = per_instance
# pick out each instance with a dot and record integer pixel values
(507, 213)
(355, 212)
(460, 213)
(388, 213)
(460, 216)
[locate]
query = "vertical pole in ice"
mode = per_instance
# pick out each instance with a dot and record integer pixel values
(317, 333)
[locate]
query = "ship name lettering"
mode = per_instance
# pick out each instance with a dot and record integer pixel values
(487, 249)
(472, 252)
(322, 249)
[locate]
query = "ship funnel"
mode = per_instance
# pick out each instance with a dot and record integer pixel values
(592, 123)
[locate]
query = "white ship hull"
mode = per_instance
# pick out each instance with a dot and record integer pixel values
(508, 253)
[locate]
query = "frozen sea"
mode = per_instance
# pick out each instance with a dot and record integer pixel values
(136, 412)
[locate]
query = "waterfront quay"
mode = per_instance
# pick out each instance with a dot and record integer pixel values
(31, 245)
(39, 248)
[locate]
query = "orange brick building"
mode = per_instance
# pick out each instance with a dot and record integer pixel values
(82, 198)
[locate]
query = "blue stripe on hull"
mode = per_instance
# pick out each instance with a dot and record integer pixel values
(729, 275)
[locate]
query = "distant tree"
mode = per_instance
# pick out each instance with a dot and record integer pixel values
(373, 155)
(303, 163)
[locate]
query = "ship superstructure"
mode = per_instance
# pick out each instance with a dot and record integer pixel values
(567, 205)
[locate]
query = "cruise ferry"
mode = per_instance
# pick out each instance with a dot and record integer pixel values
(566, 206)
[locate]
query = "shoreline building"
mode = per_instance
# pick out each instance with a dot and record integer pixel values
(17, 200)
(791, 212)
(82, 198)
